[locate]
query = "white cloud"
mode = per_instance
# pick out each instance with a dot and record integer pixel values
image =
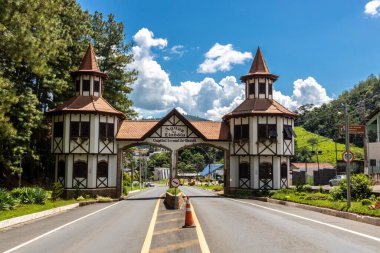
(154, 95)
(307, 91)
(166, 58)
(372, 8)
(177, 49)
(221, 58)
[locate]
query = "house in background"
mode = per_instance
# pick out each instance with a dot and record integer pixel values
(373, 144)
(319, 173)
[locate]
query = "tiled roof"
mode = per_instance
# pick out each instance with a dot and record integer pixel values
(312, 165)
(137, 129)
(89, 64)
(213, 130)
(258, 67)
(86, 104)
(258, 64)
(134, 129)
(259, 106)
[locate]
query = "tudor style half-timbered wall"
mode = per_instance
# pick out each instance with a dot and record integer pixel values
(260, 158)
(86, 151)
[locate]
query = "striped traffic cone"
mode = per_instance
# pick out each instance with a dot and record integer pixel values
(189, 223)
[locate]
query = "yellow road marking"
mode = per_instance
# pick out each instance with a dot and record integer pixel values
(201, 237)
(149, 234)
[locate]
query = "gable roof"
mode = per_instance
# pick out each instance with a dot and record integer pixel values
(373, 113)
(88, 104)
(89, 65)
(259, 107)
(258, 68)
(139, 130)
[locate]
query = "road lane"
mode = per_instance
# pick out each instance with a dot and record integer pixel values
(120, 228)
(231, 226)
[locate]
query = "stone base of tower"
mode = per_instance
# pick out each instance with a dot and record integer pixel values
(104, 192)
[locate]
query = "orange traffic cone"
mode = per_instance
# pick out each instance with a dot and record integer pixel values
(189, 223)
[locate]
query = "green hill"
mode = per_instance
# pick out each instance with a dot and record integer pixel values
(326, 145)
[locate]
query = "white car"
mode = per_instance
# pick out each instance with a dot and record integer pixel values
(335, 180)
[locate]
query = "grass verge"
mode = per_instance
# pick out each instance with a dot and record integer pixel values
(23, 209)
(305, 198)
(211, 187)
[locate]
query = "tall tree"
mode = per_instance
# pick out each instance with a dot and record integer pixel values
(113, 57)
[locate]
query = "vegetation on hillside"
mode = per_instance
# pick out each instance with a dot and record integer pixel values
(362, 99)
(306, 142)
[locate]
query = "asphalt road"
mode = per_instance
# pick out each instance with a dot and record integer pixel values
(253, 226)
(121, 227)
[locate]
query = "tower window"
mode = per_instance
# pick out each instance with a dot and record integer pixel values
(251, 88)
(241, 132)
(261, 88)
(102, 170)
(270, 89)
(289, 132)
(80, 129)
(80, 169)
(96, 85)
(86, 85)
(58, 129)
(77, 85)
(267, 131)
(106, 131)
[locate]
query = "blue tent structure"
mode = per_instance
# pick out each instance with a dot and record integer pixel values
(213, 168)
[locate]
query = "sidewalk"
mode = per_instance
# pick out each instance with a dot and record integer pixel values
(169, 236)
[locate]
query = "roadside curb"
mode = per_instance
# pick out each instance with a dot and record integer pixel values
(42, 214)
(341, 214)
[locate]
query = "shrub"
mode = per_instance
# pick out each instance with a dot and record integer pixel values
(361, 187)
(286, 191)
(173, 191)
(125, 190)
(307, 188)
(317, 196)
(218, 188)
(366, 202)
(378, 199)
(30, 195)
(80, 198)
(7, 202)
(57, 190)
(40, 195)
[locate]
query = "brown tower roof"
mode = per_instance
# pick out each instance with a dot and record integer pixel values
(86, 104)
(89, 64)
(258, 64)
(259, 107)
(258, 68)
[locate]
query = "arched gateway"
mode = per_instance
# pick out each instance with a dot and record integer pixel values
(89, 135)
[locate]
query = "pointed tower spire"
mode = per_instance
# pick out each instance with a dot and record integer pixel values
(258, 68)
(89, 65)
(258, 64)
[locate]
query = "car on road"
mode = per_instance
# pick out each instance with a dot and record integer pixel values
(149, 184)
(335, 180)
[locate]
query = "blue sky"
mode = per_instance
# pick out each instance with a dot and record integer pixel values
(311, 45)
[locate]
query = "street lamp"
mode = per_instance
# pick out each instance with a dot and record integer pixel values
(348, 172)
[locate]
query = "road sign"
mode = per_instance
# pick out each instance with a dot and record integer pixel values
(175, 182)
(353, 129)
(348, 157)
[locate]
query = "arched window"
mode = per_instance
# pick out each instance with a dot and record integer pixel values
(266, 170)
(80, 169)
(102, 170)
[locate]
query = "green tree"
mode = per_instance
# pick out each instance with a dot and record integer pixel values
(114, 57)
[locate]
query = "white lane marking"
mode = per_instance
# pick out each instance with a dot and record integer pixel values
(312, 220)
(58, 228)
(201, 237)
(149, 234)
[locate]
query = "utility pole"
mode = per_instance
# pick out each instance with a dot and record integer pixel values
(348, 172)
(140, 168)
